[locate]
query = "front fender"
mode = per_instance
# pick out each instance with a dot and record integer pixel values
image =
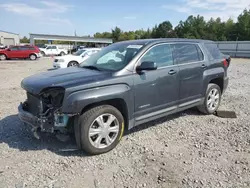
(76, 101)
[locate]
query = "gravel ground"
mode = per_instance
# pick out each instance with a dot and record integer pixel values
(183, 150)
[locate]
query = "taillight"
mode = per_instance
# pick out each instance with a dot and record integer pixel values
(225, 63)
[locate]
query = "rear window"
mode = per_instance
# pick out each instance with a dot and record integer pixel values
(213, 50)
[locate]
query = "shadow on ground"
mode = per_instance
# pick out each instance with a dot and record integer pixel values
(19, 136)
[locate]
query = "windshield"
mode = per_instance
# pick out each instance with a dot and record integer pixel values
(79, 52)
(114, 57)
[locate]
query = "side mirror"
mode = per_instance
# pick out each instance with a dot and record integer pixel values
(147, 65)
(8, 49)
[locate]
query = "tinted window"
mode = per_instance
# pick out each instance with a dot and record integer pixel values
(200, 53)
(53, 47)
(186, 53)
(161, 55)
(27, 48)
(14, 48)
(213, 50)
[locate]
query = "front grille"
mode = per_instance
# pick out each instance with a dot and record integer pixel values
(33, 104)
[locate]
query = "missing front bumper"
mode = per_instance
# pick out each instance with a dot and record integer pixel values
(27, 117)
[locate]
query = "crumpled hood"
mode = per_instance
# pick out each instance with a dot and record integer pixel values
(62, 78)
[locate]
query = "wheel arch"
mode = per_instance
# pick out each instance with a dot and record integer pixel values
(1, 53)
(72, 62)
(119, 96)
(118, 103)
(215, 76)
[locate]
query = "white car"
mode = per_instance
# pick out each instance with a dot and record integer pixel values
(53, 50)
(74, 59)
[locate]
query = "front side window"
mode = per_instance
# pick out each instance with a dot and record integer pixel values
(53, 47)
(114, 57)
(186, 53)
(160, 54)
(14, 48)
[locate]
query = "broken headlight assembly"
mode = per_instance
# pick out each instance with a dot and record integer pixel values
(51, 116)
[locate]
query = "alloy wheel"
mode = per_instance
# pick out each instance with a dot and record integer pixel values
(103, 131)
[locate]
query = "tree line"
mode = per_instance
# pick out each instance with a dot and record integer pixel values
(194, 27)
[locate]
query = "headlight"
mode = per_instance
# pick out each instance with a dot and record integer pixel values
(53, 96)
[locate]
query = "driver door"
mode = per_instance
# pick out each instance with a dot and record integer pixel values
(14, 52)
(156, 92)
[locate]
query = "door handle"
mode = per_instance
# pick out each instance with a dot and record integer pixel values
(172, 72)
(203, 66)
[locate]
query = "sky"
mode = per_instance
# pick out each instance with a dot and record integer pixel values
(64, 17)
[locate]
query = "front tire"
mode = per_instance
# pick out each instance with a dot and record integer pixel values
(2, 57)
(73, 64)
(99, 129)
(43, 53)
(212, 100)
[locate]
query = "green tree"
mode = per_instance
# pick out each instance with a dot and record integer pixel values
(116, 33)
(25, 40)
(164, 29)
(243, 25)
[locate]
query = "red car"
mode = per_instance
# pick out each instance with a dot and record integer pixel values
(20, 52)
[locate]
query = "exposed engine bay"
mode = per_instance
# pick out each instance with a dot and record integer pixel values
(46, 107)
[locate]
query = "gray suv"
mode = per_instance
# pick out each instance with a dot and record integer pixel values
(124, 85)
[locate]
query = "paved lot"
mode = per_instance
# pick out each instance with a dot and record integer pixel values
(183, 150)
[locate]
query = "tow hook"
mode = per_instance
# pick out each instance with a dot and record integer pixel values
(35, 131)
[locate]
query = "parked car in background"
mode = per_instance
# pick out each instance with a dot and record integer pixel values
(53, 50)
(74, 59)
(124, 85)
(42, 46)
(75, 49)
(20, 52)
(2, 46)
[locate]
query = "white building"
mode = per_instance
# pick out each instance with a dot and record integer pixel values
(8, 38)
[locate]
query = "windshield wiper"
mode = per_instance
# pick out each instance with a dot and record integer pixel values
(91, 67)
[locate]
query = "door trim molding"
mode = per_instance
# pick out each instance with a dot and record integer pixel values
(156, 113)
(189, 102)
(169, 109)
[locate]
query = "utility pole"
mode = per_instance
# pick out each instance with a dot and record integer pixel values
(75, 36)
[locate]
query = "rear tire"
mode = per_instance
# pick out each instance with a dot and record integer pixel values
(94, 137)
(73, 64)
(2, 57)
(62, 53)
(212, 100)
(33, 57)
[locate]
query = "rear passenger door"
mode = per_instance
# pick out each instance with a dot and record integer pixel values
(54, 50)
(25, 51)
(190, 60)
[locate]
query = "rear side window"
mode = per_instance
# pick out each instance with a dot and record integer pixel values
(213, 50)
(187, 53)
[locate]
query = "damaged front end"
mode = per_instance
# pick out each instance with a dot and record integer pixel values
(43, 111)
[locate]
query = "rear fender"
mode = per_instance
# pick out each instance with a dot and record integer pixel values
(211, 74)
